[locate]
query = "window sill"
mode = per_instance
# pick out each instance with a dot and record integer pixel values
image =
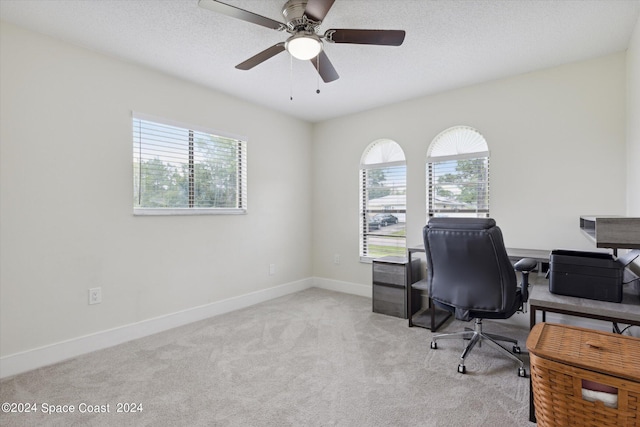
(186, 211)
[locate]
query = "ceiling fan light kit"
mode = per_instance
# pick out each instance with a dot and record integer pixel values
(304, 46)
(303, 17)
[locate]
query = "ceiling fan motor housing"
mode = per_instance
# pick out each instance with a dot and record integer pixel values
(293, 12)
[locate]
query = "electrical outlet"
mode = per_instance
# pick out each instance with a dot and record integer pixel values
(95, 295)
(272, 269)
(336, 259)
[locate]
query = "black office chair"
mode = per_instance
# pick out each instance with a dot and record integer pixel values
(470, 275)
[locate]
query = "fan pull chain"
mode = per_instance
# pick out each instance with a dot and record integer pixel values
(291, 78)
(318, 73)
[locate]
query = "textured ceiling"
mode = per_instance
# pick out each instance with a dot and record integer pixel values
(449, 44)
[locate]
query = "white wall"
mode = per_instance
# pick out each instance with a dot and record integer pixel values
(558, 151)
(66, 197)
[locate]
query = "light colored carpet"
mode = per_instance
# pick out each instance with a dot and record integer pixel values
(314, 358)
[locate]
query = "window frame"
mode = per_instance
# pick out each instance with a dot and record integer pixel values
(365, 211)
(241, 170)
(483, 154)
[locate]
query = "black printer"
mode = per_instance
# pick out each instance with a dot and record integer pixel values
(592, 275)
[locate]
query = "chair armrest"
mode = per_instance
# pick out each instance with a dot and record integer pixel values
(524, 266)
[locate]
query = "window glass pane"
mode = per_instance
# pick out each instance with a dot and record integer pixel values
(461, 185)
(215, 172)
(386, 188)
(160, 157)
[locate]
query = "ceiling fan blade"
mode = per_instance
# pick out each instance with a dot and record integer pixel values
(377, 37)
(316, 10)
(261, 57)
(236, 12)
(325, 68)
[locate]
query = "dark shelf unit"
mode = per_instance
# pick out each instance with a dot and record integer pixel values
(429, 317)
(391, 285)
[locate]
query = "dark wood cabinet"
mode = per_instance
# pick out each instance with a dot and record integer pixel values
(391, 285)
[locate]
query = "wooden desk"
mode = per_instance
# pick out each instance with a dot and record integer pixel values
(540, 299)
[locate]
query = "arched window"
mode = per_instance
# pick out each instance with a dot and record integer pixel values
(383, 200)
(458, 174)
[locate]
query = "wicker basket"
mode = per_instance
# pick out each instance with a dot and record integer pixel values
(563, 356)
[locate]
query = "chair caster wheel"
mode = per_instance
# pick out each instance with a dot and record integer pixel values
(516, 349)
(462, 369)
(434, 345)
(522, 373)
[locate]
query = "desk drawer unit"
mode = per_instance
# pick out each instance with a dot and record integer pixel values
(390, 285)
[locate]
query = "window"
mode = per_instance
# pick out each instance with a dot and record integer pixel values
(383, 185)
(458, 174)
(178, 169)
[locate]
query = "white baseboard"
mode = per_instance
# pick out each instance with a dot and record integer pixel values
(31, 359)
(344, 287)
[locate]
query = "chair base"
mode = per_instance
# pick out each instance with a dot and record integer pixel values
(476, 336)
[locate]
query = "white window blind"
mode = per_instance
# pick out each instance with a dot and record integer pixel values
(179, 169)
(458, 174)
(383, 184)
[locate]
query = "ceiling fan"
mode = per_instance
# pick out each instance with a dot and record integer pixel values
(303, 17)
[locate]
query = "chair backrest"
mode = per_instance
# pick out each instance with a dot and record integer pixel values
(468, 267)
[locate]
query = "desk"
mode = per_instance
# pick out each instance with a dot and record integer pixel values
(541, 257)
(627, 312)
(540, 299)
(432, 317)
